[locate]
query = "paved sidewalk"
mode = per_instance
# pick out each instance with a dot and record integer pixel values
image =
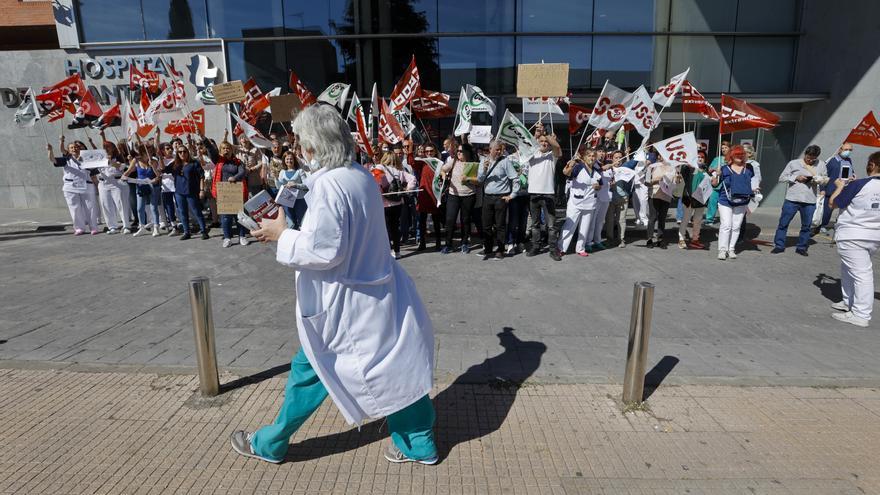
(68, 432)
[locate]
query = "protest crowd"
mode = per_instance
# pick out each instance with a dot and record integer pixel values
(502, 192)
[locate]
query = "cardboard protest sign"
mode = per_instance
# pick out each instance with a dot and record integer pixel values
(229, 198)
(480, 134)
(536, 80)
(230, 92)
(284, 107)
(93, 158)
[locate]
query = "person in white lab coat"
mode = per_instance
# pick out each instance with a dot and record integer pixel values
(857, 234)
(585, 183)
(77, 182)
(366, 337)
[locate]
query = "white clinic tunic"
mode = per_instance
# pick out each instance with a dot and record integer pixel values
(360, 320)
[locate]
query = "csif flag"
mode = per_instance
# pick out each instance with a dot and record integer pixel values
(306, 97)
(694, 102)
(28, 113)
(389, 128)
(356, 114)
(577, 115)
(110, 118)
(737, 115)
(514, 133)
(407, 88)
(679, 150)
(666, 94)
(336, 94)
(867, 133)
(611, 108)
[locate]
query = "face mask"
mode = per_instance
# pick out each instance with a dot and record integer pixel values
(845, 153)
(652, 157)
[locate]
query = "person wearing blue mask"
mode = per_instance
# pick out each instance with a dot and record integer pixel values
(835, 168)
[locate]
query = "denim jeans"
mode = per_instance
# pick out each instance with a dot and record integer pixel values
(518, 210)
(151, 199)
(546, 204)
(226, 223)
(168, 206)
(789, 208)
(194, 204)
(296, 213)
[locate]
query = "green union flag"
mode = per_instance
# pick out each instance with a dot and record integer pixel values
(514, 133)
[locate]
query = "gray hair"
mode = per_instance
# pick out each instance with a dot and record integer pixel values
(324, 134)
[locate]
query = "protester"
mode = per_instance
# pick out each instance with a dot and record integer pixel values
(461, 196)
(500, 182)
(857, 234)
(693, 208)
(717, 162)
(660, 177)
(144, 168)
(274, 166)
(735, 191)
(803, 178)
(615, 219)
(603, 202)
(393, 182)
(834, 167)
(348, 289)
(75, 188)
(518, 213)
(230, 169)
(425, 202)
(290, 176)
(113, 193)
(540, 169)
(586, 182)
(165, 186)
(755, 167)
(189, 185)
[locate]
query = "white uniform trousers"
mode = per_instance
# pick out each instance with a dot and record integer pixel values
(731, 221)
(114, 201)
(598, 222)
(640, 203)
(857, 275)
(572, 215)
(92, 208)
(76, 204)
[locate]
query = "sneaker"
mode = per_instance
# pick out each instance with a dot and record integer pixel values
(185, 237)
(650, 244)
(465, 249)
(227, 243)
(244, 241)
(162, 226)
(94, 232)
(112, 231)
(722, 255)
(823, 231)
(241, 443)
(556, 254)
(521, 247)
(396, 255)
(445, 250)
(173, 231)
(840, 306)
(777, 250)
(205, 235)
(598, 246)
(126, 231)
(393, 454)
(850, 318)
(682, 244)
(622, 244)
(696, 244)
(802, 252)
(155, 231)
(140, 231)
(78, 232)
(508, 249)
(583, 254)
(731, 255)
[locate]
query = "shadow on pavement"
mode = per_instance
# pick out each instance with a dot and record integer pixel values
(830, 287)
(658, 373)
(255, 378)
(474, 405)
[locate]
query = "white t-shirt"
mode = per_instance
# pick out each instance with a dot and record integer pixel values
(860, 220)
(542, 172)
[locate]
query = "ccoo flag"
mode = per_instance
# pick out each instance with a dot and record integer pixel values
(867, 133)
(737, 115)
(407, 88)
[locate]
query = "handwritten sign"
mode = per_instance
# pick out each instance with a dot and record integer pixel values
(93, 158)
(230, 92)
(229, 198)
(284, 107)
(537, 80)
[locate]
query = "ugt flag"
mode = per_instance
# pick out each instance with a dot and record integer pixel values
(407, 88)
(737, 115)
(666, 94)
(679, 150)
(514, 133)
(867, 133)
(611, 107)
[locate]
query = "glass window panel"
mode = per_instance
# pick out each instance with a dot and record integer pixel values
(703, 15)
(764, 16)
(625, 60)
(623, 15)
(401, 16)
(762, 65)
(242, 19)
(572, 50)
(708, 57)
(486, 62)
(318, 18)
(175, 19)
(384, 61)
(110, 20)
(320, 63)
(555, 15)
(460, 16)
(265, 61)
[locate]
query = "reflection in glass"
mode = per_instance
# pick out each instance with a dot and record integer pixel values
(175, 19)
(457, 16)
(384, 61)
(703, 15)
(625, 60)
(320, 63)
(265, 61)
(486, 62)
(572, 50)
(111, 20)
(709, 58)
(761, 15)
(555, 15)
(326, 18)
(762, 65)
(249, 18)
(623, 15)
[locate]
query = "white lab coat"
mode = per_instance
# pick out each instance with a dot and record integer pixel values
(360, 320)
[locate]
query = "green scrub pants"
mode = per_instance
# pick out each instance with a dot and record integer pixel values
(411, 428)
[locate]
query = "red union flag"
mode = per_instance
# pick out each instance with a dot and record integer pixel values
(306, 97)
(51, 105)
(254, 100)
(194, 123)
(146, 79)
(737, 115)
(389, 128)
(867, 133)
(611, 107)
(694, 102)
(432, 105)
(407, 88)
(576, 117)
(110, 118)
(72, 89)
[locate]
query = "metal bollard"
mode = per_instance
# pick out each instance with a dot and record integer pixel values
(203, 330)
(637, 350)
